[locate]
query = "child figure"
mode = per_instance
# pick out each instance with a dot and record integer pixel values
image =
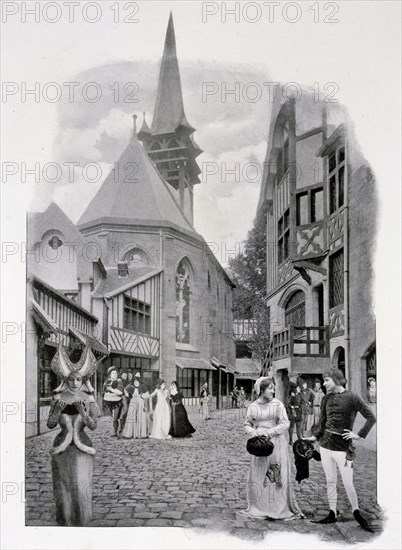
(161, 413)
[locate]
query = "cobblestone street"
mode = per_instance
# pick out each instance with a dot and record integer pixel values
(198, 483)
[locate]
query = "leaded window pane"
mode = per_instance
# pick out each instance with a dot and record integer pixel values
(336, 290)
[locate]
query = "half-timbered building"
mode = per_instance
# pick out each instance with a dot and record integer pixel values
(318, 194)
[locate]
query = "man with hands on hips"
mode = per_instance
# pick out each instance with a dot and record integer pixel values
(335, 435)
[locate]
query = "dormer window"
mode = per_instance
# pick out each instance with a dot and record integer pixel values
(122, 269)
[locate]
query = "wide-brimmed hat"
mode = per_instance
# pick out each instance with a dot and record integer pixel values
(303, 448)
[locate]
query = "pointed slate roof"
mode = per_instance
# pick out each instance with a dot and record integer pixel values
(134, 192)
(169, 109)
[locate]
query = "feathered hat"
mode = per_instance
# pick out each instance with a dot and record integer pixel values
(62, 366)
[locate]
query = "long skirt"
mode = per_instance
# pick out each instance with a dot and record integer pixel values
(204, 409)
(270, 489)
(72, 486)
(161, 420)
(136, 425)
(181, 426)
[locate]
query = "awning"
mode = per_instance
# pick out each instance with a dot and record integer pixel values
(43, 319)
(218, 364)
(247, 369)
(189, 363)
(92, 341)
(250, 376)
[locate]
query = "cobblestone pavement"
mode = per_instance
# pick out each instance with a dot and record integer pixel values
(197, 482)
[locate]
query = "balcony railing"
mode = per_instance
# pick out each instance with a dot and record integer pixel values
(298, 341)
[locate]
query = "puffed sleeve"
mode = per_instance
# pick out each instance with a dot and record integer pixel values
(91, 420)
(250, 421)
(54, 414)
(282, 420)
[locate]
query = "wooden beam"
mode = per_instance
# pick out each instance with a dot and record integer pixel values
(304, 264)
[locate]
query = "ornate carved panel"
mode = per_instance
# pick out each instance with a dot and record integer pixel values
(285, 271)
(310, 241)
(335, 226)
(336, 322)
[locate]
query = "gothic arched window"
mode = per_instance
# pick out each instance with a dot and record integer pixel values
(183, 302)
(173, 143)
(295, 310)
(155, 146)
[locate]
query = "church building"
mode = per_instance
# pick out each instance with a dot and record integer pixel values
(155, 298)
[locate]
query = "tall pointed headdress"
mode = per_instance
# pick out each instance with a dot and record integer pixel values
(62, 366)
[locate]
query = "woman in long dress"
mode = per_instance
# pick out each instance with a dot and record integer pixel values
(74, 408)
(204, 402)
(161, 413)
(180, 424)
(136, 425)
(269, 489)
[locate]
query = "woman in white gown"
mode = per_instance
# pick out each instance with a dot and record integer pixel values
(161, 413)
(270, 491)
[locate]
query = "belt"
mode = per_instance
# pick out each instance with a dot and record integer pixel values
(317, 405)
(332, 432)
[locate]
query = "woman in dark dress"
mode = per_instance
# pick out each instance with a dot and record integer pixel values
(180, 425)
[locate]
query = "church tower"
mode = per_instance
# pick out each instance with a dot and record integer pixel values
(169, 142)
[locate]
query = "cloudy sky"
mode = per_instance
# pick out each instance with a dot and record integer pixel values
(221, 49)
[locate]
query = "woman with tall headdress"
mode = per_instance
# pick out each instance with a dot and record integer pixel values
(74, 408)
(180, 424)
(136, 422)
(269, 489)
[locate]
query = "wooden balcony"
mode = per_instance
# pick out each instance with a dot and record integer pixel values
(298, 341)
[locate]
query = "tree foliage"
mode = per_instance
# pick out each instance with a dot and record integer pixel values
(248, 271)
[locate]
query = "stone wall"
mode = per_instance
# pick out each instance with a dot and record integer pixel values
(362, 235)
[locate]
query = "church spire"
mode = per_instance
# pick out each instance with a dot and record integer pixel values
(169, 110)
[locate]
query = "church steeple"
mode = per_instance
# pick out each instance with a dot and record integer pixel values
(169, 142)
(169, 109)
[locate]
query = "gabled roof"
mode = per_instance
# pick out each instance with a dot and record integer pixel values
(52, 218)
(134, 192)
(169, 110)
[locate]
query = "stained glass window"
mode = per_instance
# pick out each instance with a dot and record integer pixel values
(183, 302)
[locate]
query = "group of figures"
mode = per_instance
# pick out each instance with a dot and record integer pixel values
(238, 397)
(303, 408)
(270, 492)
(138, 413)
